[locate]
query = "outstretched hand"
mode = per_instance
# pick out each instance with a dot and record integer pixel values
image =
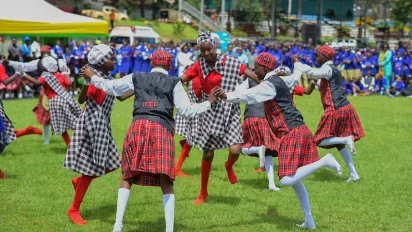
(218, 92)
(295, 59)
(87, 73)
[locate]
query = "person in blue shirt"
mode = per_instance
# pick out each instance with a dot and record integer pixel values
(380, 84)
(296, 48)
(67, 55)
(397, 86)
(347, 85)
(369, 63)
(26, 50)
(408, 64)
(126, 52)
(277, 53)
(348, 64)
(173, 50)
(358, 87)
(398, 64)
(137, 57)
(57, 51)
(302, 53)
(261, 48)
(338, 58)
(286, 59)
(147, 52)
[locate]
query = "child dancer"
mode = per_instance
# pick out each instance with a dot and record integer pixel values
(220, 127)
(64, 111)
(41, 111)
(340, 124)
(298, 156)
(92, 151)
(149, 146)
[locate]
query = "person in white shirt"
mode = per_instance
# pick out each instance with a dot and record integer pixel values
(149, 148)
(35, 48)
(297, 153)
(340, 125)
(368, 82)
(183, 59)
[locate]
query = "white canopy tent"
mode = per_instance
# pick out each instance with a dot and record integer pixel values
(39, 18)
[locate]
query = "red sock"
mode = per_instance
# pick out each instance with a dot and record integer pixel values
(2, 175)
(81, 189)
(182, 142)
(206, 167)
(183, 155)
(75, 180)
(66, 138)
(229, 169)
(28, 131)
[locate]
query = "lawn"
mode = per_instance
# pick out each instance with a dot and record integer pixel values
(38, 191)
(165, 30)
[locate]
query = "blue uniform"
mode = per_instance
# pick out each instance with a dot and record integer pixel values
(369, 64)
(348, 61)
(146, 54)
(399, 66)
(58, 51)
(126, 52)
(173, 68)
(137, 59)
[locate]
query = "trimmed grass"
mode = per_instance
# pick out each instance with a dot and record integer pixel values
(165, 30)
(38, 191)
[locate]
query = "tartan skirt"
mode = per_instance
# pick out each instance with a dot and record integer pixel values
(148, 151)
(342, 122)
(62, 116)
(256, 132)
(41, 114)
(296, 149)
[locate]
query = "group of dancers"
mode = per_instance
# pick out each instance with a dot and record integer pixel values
(208, 116)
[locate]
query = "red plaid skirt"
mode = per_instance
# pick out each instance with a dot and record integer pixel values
(339, 123)
(148, 150)
(42, 115)
(296, 150)
(257, 132)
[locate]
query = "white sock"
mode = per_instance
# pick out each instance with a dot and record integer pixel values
(122, 199)
(303, 198)
(169, 207)
(269, 172)
(349, 162)
(304, 171)
(46, 132)
(251, 150)
(334, 141)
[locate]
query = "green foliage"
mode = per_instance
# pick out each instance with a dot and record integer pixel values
(238, 33)
(179, 27)
(401, 12)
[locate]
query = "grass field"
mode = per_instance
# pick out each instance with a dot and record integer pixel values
(38, 191)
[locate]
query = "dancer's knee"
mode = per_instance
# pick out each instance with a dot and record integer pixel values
(287, 181)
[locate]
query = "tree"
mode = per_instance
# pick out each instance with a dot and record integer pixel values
(401, 12)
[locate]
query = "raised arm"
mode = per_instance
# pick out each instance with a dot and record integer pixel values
(32, 80)
(127, 95)
(250, 74)
(265, 91)
(25, 67)
(10, 79)
(116, 87)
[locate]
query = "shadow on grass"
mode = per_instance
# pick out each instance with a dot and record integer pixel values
(158, 225)
(59, 150)
(256, 183)
(102, 213)
(224, 200)
(191, 171)
(326, 175)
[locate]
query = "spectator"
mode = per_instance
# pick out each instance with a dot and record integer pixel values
(385, 63)
(112, 18)
(368, 81)
(380, 84)
(241, 56)
(408, 89)
(369, 63)
(348, 86)
(14, 50)
(3, 48)
(358, 87)
(397, 86)
(25, 50)
(348, 64)
(57, 51)
(183, 59)
(126, 52)
(35, 48)
(71, 44)
(252, 56)
(399, 64)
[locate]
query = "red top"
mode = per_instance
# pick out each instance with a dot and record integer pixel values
(197, 87)
(97, 94)
(212, 80)
(3, 74)
(64, 81)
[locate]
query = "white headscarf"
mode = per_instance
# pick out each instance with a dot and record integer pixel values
(50, 64)
(284, 69)
(99, 54)
(207, 37)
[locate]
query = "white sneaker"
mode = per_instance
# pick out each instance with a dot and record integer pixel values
(6, 96)
(20, 96)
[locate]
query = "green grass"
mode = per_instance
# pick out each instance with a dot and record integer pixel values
(38, 191)
(165, 30)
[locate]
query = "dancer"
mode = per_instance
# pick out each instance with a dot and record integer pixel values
(340, 124)
(42, 114)
(149, 147)
(298, 155)
(220, 127)
(188, 127)
(64, 111)
(92, 151)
